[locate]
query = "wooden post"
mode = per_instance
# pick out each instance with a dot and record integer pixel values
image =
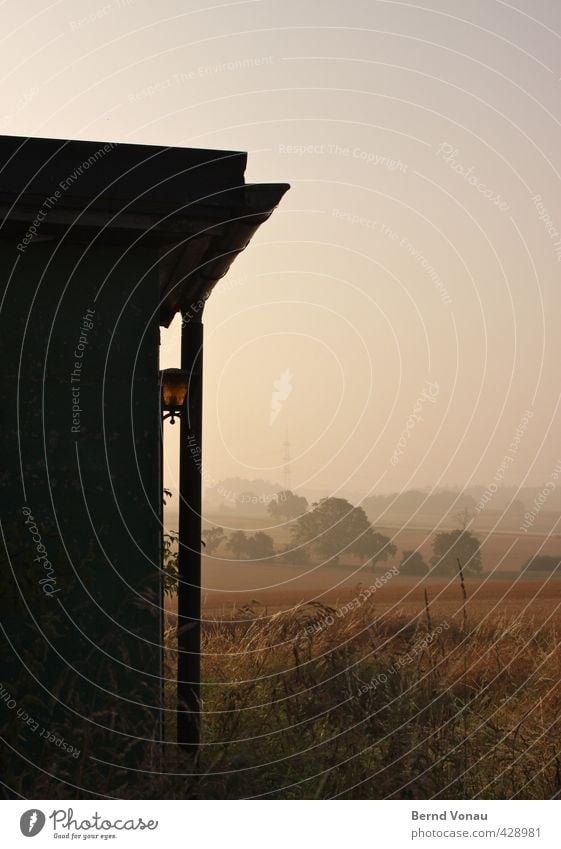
(190, 527)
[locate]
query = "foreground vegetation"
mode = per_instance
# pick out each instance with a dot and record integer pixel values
(356, 701)
(381, 707)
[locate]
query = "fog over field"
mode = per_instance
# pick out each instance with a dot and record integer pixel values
(357, 206)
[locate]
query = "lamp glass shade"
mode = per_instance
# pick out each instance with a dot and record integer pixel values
(174, 384)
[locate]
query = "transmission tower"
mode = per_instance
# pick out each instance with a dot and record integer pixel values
(287, 471)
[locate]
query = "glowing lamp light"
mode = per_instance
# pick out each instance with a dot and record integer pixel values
(174, 384)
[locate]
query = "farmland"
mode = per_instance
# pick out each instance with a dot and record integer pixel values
(319, 685)
(329, 682)
(227, 584)
(502, 550)
(338, 695)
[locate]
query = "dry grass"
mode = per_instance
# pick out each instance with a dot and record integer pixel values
(380, 701)
(472, 713)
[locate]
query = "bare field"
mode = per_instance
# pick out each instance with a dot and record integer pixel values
(378, 699)
(231, 584)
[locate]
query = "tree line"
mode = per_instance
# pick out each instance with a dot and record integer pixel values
(333, 529)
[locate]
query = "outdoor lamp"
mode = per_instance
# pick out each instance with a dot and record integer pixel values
(174, 383)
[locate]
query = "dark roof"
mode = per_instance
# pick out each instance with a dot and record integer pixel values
(194, 205)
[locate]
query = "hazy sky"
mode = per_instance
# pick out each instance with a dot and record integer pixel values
(408, 287)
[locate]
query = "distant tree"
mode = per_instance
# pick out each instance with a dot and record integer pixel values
(295, 556)
(412, 563)
(287, 505)
(542, 563)
(237, 543)
(260, 546)
(213, 538)
(334, 527)
(304, 531)
(449, 547)
(377, 547)
(425, 505)
(257, 547)
(464, 518)
(449, 502)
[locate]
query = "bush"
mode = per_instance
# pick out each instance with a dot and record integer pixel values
(257, 547)
(412, 563)
(449, 547)
(542, 563)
